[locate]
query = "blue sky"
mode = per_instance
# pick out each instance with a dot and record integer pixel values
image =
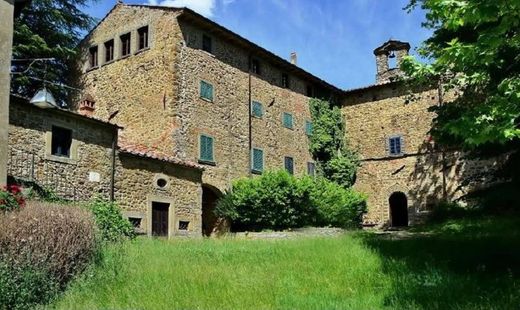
(334, 39)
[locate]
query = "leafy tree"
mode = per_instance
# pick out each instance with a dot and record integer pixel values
(475, 51)
(48, 29)
(335, 161)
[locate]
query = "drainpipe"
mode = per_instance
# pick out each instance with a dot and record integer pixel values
(113, 172)
(250, 120)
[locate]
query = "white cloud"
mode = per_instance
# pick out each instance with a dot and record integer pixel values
(203, 7)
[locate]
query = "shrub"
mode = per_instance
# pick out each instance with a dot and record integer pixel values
(277, 200)
(41, 247)
(112, 226)
(11, 198)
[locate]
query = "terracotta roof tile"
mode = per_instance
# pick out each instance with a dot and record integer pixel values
(146, 152)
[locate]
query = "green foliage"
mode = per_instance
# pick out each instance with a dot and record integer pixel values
(327, 144)
(474, 50)
(278, 200)
(11, 198)
(48, 29)
(112, 226)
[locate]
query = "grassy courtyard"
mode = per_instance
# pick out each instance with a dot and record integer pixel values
(471, 264)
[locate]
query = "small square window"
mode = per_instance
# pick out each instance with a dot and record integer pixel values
(285, 80)
(109, 50)
(311, 169)
(207, 44)
(257, 161)
(257, 110)
(93, 56)
(395, 145)
(206, 91)
(61, 141)
(142, 33)
(206, 149)
(135, 221)
(308, 128)
(125, 44)
(255, 66)
(287, 120)
(184, 225)
(289, 164)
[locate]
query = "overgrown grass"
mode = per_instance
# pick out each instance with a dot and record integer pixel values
(461, 264)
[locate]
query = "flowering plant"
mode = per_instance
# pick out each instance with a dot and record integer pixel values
(11, 198)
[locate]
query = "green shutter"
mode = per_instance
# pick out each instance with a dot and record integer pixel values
(206, 148)
(258, 160)
(257, 109)
(206, 90)
(308, 128)
(287, 120)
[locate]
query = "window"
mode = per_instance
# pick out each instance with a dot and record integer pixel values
(206, 91)
(207, 43)
(257, 109)
(255, 66)
(61, 141)
(311, 168)
(109, 50)
(310, 91)
(206, 149)
(135, 221)
(93, 56)
(395, 145)
(285, 80)
(308, 128)
(125, 44)
(257, 161)
(143, 37)
(183, 225)
(287, 120)
(289, 164)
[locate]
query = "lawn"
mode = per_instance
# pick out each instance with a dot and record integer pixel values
(468, 264)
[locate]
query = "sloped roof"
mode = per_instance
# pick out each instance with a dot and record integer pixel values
(147, 152)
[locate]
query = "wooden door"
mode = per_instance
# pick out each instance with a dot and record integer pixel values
(160, 219)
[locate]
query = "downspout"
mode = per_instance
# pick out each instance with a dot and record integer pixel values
(113, 172)
(250, 120)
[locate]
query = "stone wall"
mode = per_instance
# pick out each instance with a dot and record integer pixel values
(6, 38)
(137, 187)
(85, 175)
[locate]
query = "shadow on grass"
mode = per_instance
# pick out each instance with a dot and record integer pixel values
(472, 264)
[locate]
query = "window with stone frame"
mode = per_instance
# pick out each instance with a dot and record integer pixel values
(308, 128)
(257, 110)
(289, 164)
(285, 80)
(206, 91)
(126, 40)
(257, 161)
(207, 43)
(109, 50)
(143, 37)
(311, 168)
(287, 120)
(395, 145)
(206, 149)
(61, 141)
(93, 57)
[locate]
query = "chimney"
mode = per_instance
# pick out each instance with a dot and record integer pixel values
(87, 106)
(294, 58)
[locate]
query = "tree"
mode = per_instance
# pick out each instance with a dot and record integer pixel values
(475, 51)
(48, 29)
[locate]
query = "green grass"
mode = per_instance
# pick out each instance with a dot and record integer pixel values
(472, 264)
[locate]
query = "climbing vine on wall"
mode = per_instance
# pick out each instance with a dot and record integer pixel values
(335, 161)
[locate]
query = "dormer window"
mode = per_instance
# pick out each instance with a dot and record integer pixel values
(109, 50)
(125, 44)
(93, 56)
(142, 34)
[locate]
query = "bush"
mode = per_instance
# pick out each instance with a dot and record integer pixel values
(112, 226)
(11, 198)
(41, 247)
(277, 200)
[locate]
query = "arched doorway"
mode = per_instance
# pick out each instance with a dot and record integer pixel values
(210, 196)
(398, 209)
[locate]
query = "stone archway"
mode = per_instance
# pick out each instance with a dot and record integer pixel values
(210, 221)
(398, 209)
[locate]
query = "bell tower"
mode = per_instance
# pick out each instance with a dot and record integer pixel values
(388, 59)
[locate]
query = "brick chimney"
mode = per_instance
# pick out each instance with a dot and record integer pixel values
(87, 105)
(294, 58)
(390, 50)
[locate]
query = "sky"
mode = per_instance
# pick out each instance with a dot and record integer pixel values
(334, 39)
